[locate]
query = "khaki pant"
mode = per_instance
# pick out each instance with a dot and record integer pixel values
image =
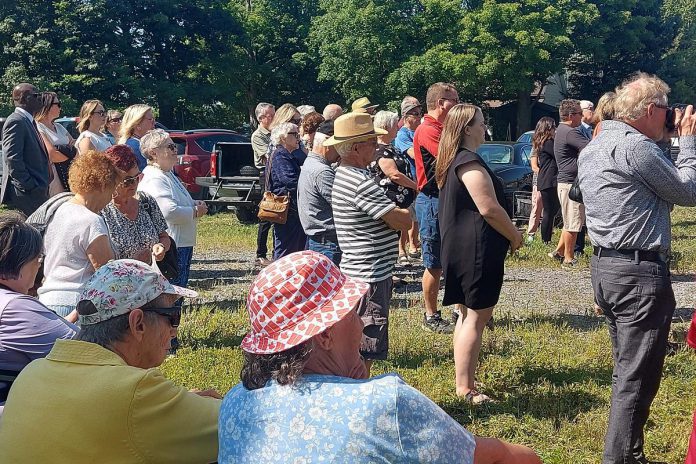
(572, 211)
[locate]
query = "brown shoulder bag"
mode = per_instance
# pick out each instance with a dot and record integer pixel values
(273, 208)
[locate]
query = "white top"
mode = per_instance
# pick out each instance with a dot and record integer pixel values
(174, 201)
(66, 265)
(100, 142)
(58, 137)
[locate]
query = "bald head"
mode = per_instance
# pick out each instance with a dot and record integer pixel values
(27, 97)
(332, 111)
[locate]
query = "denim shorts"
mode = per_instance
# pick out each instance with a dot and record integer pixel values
(326, 248)
(429, 230)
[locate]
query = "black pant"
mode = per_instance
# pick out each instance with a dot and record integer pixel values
(264, 226)
(638, 302)
(580, 241)
(549, 198)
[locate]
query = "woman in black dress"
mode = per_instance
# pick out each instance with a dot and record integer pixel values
(542, 145)
(476, 233)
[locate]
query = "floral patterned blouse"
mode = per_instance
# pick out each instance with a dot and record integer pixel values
(131, 237)
(332, 419)
(402, 196)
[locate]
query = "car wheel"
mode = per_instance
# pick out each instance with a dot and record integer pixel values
(246, 215)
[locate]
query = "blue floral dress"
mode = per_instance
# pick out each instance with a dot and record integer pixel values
(333, 419)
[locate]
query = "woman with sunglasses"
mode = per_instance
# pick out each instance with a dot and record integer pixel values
(288, 113)
(58, 141)
(137, 121)
(112, 126)
(178, 208)
(136, 225)
(92, 118)
(283, 171)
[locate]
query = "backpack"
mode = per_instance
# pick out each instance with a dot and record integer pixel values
(40, 219)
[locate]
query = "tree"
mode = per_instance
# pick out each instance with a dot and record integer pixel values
(627, 36)
(678, 67)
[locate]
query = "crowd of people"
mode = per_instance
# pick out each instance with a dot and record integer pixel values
(363, 190)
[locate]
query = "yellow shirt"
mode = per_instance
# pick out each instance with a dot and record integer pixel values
(84, 404)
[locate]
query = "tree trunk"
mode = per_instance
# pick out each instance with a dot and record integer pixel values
(524, 113)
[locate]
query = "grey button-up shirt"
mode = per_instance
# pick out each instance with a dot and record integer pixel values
(629, 187)
(314, 197)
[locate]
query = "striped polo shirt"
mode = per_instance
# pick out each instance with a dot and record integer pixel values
(369, 246)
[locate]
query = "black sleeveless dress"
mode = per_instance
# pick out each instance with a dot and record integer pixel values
(473, 253)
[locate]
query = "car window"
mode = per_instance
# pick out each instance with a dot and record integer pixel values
(496, 154)
(526, 137)
(180, 145)
(208, 142)
(525, 154)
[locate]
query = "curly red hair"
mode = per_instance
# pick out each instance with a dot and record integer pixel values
(93, 172)
(122, 156)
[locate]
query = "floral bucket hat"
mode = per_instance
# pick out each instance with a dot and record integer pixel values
(295, 298)
(121, 286)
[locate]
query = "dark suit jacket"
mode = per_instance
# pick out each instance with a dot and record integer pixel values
(25, 175)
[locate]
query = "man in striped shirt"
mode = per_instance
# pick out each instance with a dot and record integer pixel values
(366, 223)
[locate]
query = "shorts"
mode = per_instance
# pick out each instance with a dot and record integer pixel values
(429, 230)
(572, 211)
(375, 317)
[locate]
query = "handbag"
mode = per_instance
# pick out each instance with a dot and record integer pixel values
(574, 193)
(169, 265)
(273, 208)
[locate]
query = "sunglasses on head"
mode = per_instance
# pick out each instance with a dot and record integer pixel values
(131, 180)
(172, 314)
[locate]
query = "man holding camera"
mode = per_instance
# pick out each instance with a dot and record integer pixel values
(629, 189)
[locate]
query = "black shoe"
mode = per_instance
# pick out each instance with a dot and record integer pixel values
(437, 324)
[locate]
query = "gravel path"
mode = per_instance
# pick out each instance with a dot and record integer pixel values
(223, 280)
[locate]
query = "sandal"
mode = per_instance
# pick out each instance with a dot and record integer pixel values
(556, 256)
(475, 398)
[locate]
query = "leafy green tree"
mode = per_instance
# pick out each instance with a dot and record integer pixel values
(625, 37)
(678, 67)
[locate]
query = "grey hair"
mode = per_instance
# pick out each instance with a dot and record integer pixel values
(114, 330)
(344, 148)
(261, 108)
(319, 140)
(281, 131)
(386, 120)
(635, 94)
(332, 111)
(285, 367)
(305, 110)
(151, 141)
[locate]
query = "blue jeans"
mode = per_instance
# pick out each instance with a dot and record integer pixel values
(327, 248)
(185, 255)
(429, 229)
(61, 310)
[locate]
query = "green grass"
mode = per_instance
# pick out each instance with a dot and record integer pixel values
(551, 376)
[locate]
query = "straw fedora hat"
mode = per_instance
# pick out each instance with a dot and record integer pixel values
(362, 104)
(353, 127)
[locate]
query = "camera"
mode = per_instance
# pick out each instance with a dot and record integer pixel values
(671, 113)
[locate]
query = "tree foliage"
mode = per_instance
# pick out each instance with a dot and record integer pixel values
(210, 61)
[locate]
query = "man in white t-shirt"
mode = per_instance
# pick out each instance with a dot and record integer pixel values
(366, 223)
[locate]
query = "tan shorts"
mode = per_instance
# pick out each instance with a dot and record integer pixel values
(573, 212)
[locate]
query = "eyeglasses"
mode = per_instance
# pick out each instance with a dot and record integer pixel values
(293, 133)
(664, 107)
(132, 180)
(575, 112)
(296, 121)
(171, 146)
(173, 314)
(115, 120)
(455, 100)
(415, 115)
(100, 112)
(56, 103)
(35, 95)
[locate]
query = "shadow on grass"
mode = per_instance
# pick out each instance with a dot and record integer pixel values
(212, 340)
(562, 376)
(410, 360)
(225, 304)
(690, 277)
(581, 322)
(222, 260)
(559, 405)
(684, 224)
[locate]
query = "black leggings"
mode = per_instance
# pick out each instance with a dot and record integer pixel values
(549, 197)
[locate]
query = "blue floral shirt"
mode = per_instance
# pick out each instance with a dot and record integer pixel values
(332, 419)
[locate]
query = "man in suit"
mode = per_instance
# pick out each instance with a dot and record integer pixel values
(27, 173)
(585, 127)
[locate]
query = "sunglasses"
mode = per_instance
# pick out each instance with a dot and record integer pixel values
(56, 103)
(132, 180)
(296, 121)
(100, 113)
(171, 146)
(293, 133)
(172, 314)
(115, 120)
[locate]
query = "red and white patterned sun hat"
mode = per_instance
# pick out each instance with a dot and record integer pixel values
(295, 298)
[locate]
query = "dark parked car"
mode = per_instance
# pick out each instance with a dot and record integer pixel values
(510, 162)
(233, 181)
(194, 148)
(526, 137)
